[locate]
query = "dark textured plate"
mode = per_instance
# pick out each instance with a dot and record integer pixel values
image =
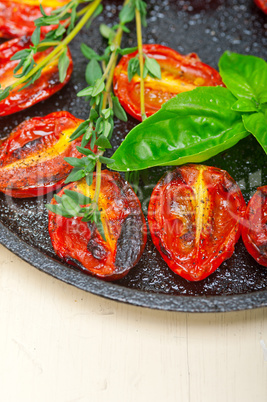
(208, 28)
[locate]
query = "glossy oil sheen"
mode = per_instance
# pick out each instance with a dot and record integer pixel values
(207, 28)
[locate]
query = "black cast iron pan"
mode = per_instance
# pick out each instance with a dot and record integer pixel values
(208, 28)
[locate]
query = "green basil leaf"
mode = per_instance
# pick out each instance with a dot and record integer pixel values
(192, 127)
(153, 67)
(79, 198)
(245, 105)
(118, 109)
(63, 64)
(244, 76)
(93, 72)
(256, 124)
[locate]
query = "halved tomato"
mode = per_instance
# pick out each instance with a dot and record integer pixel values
(178, 74)
(80, 244)
(17, 16)
(32, 157)
(262, 4)
(254, 232)
(41, 89)
(194, 218)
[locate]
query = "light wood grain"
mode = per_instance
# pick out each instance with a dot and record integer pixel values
(61, 344)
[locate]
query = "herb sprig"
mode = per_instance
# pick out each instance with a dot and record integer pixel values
(69, 22)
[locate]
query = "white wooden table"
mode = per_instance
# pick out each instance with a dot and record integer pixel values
(61, 344)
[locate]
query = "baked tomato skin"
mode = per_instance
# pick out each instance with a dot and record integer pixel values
(17, 16)
(41, 89)
(254, 231)
(80, 244)
(32, 157)
(262, 4)
(194, 217)
(178, 74)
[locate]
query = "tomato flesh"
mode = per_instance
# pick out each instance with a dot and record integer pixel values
(254, 232)
(17, 16)
(262, 4)
(79, 243)
(41, 89)
(194, 218)
(179, 74)
(32, 157)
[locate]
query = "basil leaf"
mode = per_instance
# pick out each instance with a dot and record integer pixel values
(256, 124)
(244, 76)
(93, 72)
(192, 127)
(245, 105)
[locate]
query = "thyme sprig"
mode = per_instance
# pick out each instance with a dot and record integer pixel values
(69, 22)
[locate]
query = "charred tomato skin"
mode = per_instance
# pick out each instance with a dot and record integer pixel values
(179, 74)
(80, 244)
(44, 87)
(262, 4)
(194, 217)
(32, 157)
(254, 232)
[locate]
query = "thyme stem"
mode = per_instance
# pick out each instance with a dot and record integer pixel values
(62, 45)
(141, 62)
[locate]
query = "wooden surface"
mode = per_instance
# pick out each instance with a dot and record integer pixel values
(61, 344)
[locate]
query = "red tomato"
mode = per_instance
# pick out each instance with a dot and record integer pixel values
(43, 87)
(178, 74)
(262, 4)
(80, 244)
(194, 219)
(17, 16)
(254, 232)
(32, 157)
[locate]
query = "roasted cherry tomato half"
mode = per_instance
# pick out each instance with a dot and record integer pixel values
(262, 4)
(32, 157)
(80, 244)
(178, 74)
(41, 89)
(194, 218)
(17, 16)
(254, 232)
